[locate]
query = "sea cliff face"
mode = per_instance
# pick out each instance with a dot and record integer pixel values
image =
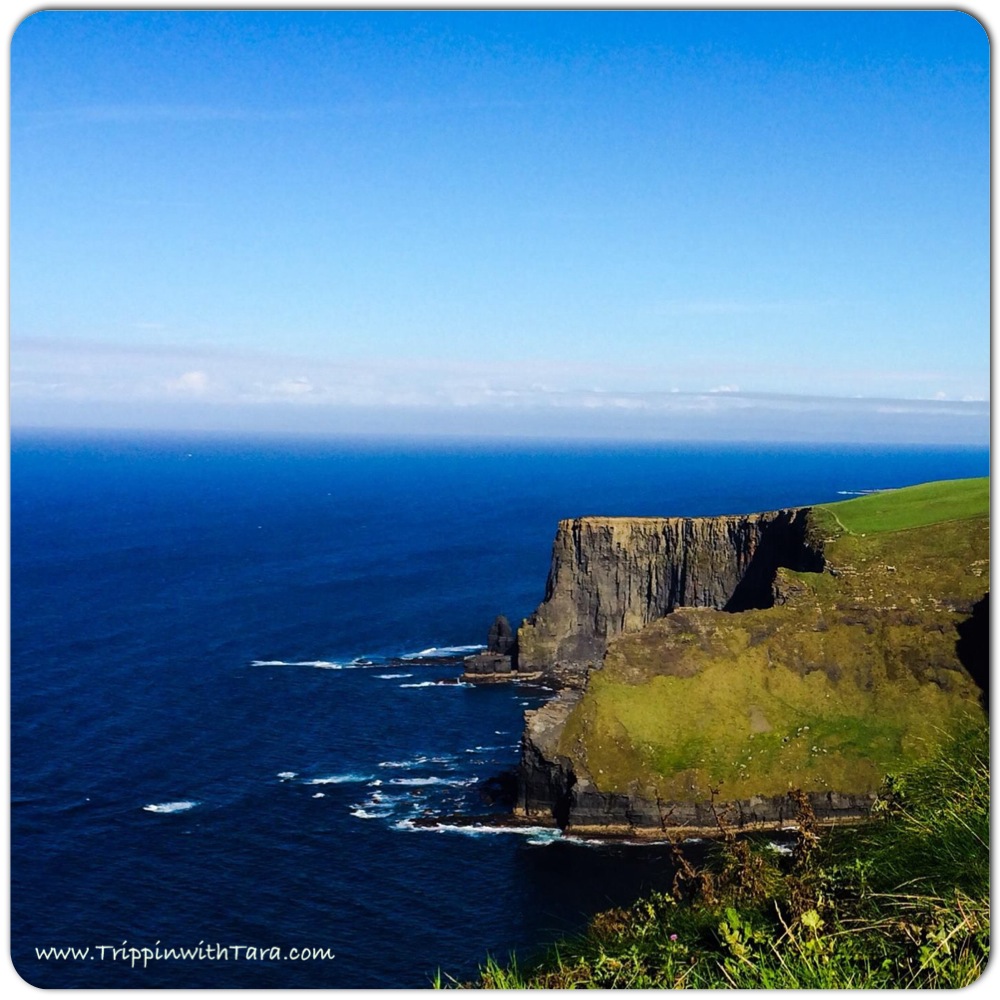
(615, 575)
(712, 666)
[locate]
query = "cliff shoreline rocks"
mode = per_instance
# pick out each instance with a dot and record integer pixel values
(708, 667)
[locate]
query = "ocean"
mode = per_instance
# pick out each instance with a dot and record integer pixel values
(232, 693)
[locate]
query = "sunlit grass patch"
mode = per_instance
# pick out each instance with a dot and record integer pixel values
(913, 506)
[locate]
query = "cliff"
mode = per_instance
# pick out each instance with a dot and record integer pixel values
(614, 575)
(715, 664)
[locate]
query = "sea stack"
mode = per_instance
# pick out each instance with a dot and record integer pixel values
(499, 662)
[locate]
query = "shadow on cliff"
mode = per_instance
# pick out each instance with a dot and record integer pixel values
(973, 647)
(783, 543)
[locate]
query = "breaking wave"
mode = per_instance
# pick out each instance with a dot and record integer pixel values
(541, 834)
(417, 761)
(435, 651)
(319, 664)
(170, 807)
(435, 684)
(340, 779)
(419, 782)
(365, 814)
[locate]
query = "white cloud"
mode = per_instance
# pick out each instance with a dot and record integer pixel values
(293, 386)
(49, 378)
(196, 382)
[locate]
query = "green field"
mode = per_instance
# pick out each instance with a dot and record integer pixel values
(913, 506)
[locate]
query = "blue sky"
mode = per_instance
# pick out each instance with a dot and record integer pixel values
(651, 224)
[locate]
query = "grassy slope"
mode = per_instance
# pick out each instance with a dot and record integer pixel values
(852, 676)
(929, 503)
(900, 903)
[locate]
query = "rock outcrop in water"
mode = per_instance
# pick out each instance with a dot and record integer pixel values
(499, 661)
(614, 575)
(501, 638)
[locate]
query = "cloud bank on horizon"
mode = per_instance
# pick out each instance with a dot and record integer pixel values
(104, 387)
(648, 225)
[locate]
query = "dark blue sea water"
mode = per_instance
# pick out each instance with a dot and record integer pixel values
(221, 729)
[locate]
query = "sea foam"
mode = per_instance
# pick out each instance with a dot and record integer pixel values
(539, 834)
(340, 779)
(435, 651)
(418, 761)
(319, 664)
(420, 782)
(170, 807)
(435, 684)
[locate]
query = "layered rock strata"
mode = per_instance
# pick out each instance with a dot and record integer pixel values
(549, 789)
(852, 649)
(611, 575)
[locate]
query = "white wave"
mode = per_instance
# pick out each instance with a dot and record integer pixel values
(436, 684)
(170, 807)
(780, 848)
(367, 812)
(545, 837)
(287, 775)
(358, 663)
(420, 782)
(417, 761)
(385, 804)
(320, 795)
(339, 779)
(442, 651)
(538, 836)
(856, 493)
(540, 833)
(391, 677)
(320, 664)
(403, 798)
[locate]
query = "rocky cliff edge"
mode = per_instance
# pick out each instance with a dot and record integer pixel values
(742, 658)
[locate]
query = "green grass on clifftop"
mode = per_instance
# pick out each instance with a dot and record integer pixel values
(854, 672)
(913, 506)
